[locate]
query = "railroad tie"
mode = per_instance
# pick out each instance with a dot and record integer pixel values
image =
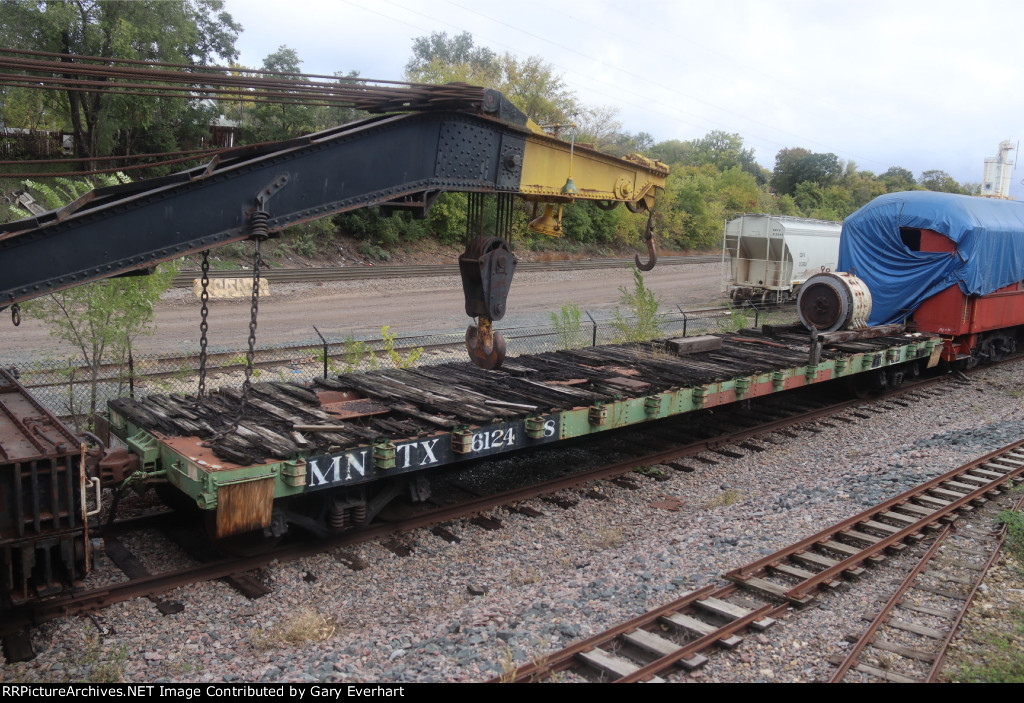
(661, 647)
(611, 664)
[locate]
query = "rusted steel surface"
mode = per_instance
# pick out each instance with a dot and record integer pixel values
(425, 400)
(928, 568)
(869, 526)
(43, 536)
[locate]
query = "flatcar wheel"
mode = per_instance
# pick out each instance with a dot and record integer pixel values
(857, 386)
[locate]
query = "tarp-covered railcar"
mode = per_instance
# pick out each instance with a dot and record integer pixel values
(910, 246)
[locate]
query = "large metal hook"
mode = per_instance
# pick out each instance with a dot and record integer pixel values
(649, 237)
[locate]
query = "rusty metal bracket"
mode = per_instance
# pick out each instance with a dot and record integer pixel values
(271, 189)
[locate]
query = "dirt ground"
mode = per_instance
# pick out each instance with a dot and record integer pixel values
(428, 304)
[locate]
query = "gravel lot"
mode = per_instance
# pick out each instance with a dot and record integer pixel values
(551, 580)
(408, 305)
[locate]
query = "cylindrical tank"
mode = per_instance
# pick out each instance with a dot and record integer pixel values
(834, 301)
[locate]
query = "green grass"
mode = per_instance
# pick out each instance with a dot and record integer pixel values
(1001, 657)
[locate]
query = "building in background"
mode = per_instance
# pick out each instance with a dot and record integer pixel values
(996, 183)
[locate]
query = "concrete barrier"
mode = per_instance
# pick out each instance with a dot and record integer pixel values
(226, 288)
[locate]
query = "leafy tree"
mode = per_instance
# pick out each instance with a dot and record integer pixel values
(598, 126)
(185, 31)
(863, 187)
(693, 215)
(530, 84)
(796, 165)
(101, 319)
(738, 191)
(724, 151)
(787, 166)
(434, 56)
(823, 203)
(673, 152)
(267, 120)
(942, 182)
(898, 178)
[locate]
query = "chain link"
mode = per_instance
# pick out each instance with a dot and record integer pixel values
(258, 229)
(250, 355)
(204, 326)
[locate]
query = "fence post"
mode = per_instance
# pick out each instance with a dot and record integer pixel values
(593, 341)
(686, 319)
(325, 349)
(131, 374)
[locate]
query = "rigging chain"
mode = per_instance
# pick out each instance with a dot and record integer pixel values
(250, 355)
(259, 233)
(204, 326)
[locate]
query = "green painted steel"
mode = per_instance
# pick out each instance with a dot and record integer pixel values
(202, 481)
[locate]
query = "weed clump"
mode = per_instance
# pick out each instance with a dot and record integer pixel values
(724, 499)
(568, 328)
(643, 323)
(306, 626)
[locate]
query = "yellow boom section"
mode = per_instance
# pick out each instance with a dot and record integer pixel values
(550, 163)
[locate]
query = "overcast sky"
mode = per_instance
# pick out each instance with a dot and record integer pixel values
(922, 85)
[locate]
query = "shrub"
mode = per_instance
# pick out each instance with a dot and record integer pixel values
(567, 327)
(643, 324)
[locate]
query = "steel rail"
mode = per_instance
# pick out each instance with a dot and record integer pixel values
(564, 658)
(802, 589)
(953, 507)
(868, 636)
(161, 583)
(933, 674)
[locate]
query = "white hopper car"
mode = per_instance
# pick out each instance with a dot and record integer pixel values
(770, 256)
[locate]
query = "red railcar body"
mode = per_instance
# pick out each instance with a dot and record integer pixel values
(966, 321)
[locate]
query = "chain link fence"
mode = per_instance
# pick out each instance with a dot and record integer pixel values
(66, 388)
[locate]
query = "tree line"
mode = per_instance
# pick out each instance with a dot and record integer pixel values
(712, 178)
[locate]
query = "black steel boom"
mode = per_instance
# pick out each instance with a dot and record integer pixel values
(400, 159)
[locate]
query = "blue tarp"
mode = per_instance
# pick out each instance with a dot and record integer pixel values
(989, 237)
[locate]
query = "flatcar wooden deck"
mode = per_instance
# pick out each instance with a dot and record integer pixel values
(284, 420)
(349, 432)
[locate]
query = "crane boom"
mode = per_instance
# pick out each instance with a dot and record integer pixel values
(402, 160)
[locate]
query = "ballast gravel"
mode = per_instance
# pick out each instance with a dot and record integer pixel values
(466, 611)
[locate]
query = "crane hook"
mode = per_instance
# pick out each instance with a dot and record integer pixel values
(649, 238)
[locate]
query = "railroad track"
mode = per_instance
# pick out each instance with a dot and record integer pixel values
(184, 279)
(907, 639)
(672, 442)
(681, 634)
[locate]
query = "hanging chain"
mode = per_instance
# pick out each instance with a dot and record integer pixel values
(204, 326)
(259, 233)
(250, 355)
